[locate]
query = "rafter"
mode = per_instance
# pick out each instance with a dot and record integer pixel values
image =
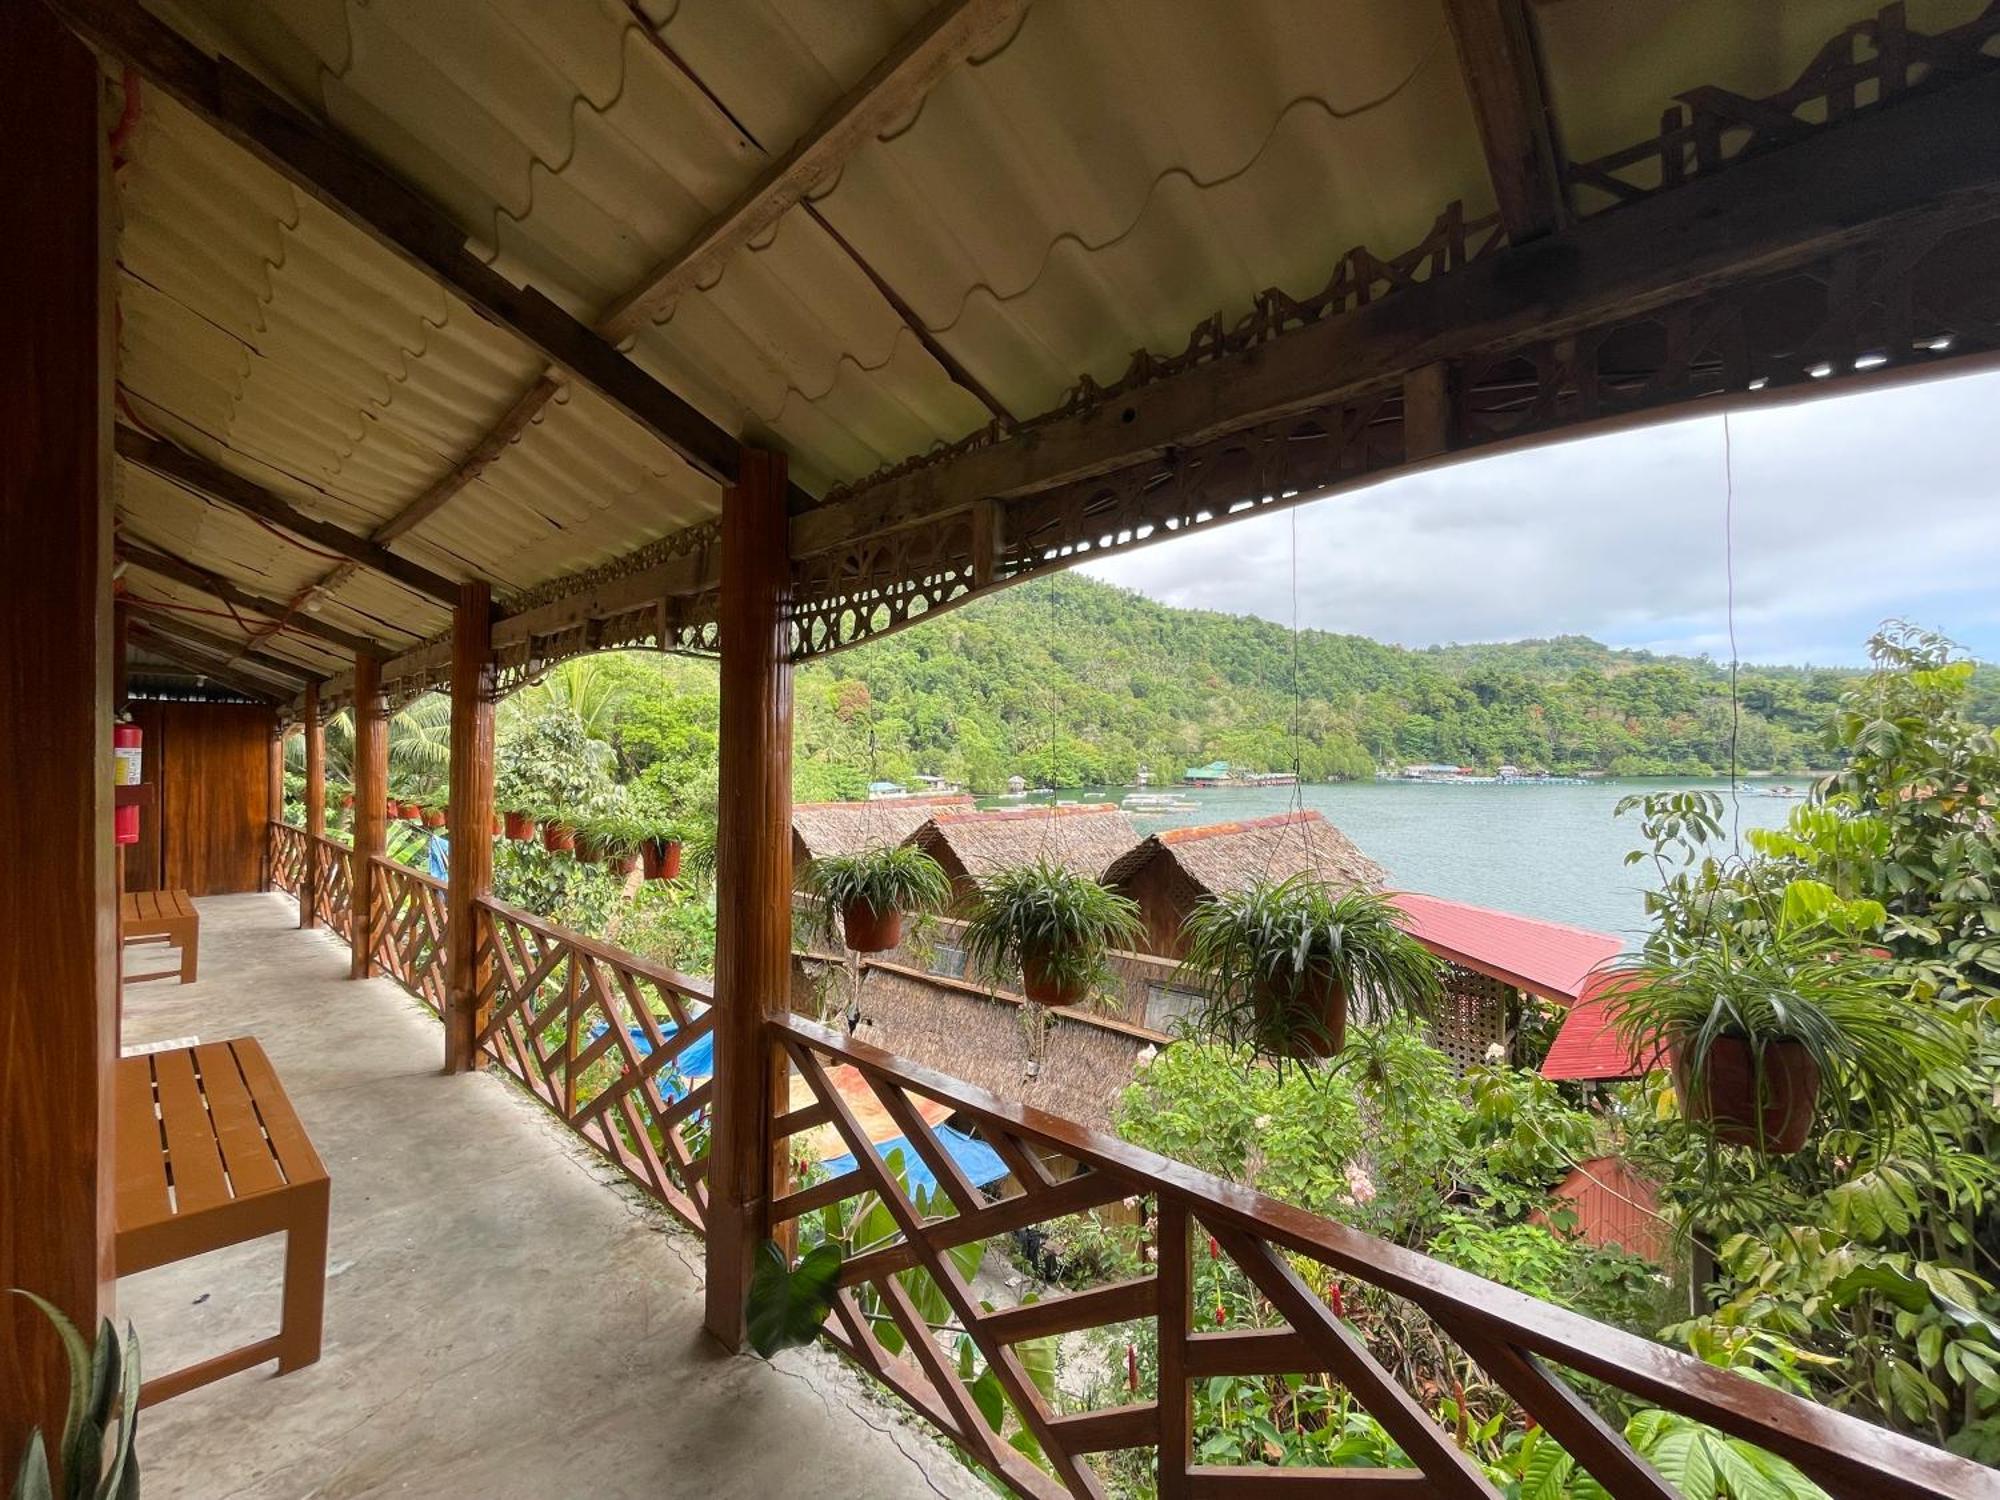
(216, 483)
(221, 647)
(179, 570)
(950, 32)
(489, 447)
(1842, 185)
(1500, 60)
(194, 661)
(336, 174)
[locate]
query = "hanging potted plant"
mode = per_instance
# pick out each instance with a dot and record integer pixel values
(660, 854)
(434, 816)
(558, 829)
(872, 891)
(1761, 1035)
(1283, 962)
(612, 837)
(520, 826)
(412, 811)
(1050, 925)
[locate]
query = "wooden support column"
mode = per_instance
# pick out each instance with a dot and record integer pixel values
(471, 820)
(315, 733)
(753, 949)
(58, 990)
(274, 798)
(371, 790)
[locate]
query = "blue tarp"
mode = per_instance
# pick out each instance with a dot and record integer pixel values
(977, 1160)
(440, 856)
(694, 1064)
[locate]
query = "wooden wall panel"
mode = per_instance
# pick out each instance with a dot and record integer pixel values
(211, 765)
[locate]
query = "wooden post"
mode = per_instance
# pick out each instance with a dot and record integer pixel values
(471, 820)
(274, 797)
(753, 950)
(315, 734)
(58, 992)
(371, 822)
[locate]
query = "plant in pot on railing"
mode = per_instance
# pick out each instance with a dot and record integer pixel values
(1283, 962)
(1050, 925)
(1764, 1036)
(871, 892)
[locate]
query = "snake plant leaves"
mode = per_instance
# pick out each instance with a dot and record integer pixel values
(788, 1304)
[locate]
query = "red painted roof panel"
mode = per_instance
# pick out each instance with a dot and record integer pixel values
(1549, 959)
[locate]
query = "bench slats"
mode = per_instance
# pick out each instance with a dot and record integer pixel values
(289, 1142)
(193, 1159)
(142, 1167)
(246, 1155)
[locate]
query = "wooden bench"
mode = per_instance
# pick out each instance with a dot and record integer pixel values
(210, 1154)
(145, 915)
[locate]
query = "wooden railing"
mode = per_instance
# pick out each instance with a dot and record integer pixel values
(334, 889)
(1291, 1258)
(288, 856)
(600, 1036)
(408, 914)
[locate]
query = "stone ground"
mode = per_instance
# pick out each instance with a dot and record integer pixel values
(506, 1316)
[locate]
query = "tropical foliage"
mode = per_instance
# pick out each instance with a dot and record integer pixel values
(899, 878)
(1049, 918)
(95, 1455)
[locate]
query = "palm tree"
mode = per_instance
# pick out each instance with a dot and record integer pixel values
(584, 686)
(419, 745)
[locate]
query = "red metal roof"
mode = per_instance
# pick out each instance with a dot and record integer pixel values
(1588, 1047)
(1545, 958)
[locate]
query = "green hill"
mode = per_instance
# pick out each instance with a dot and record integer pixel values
(1084, 683)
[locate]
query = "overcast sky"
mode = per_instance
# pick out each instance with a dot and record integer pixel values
(1847, 510)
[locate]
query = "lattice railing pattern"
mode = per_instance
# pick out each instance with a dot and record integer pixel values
(601, 1037)
(906, 1297)
(288, 856)
(408, 913)
(334, 864)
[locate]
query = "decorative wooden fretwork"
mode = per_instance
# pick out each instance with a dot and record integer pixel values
(288, 856)
(601, 1037)
(335, 884)
(409, 919)
(1295, 1323)
(1871, 62)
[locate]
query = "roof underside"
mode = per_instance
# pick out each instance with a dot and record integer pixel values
(1089, 179)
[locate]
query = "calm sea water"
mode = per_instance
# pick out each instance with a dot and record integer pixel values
(1545, 851)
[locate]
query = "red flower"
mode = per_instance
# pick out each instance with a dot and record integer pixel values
(1221, 1315)
(1214, 1250)
(1335, 1301)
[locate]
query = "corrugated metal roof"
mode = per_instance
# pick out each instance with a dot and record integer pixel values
(1588, 1045)
(1097, 182)
(1545, 958)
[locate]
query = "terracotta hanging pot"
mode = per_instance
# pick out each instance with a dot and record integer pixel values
(347, 800)
(412, 811)
(1310, 1024)
(1043, 987)
(1725, 1097)
(661, 858)
(496, 825)
(558, 838)
(434, 817)
(587, 852)
(520, 827)
(394, 808)
(622, 865)
(869, 930)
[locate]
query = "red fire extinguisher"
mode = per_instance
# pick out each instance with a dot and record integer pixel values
(127, 756)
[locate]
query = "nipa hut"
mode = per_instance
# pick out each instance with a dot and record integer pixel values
(974, 845)
(823, 828)
(1170, 872)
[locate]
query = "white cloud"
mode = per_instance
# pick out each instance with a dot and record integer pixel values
(1847, 510)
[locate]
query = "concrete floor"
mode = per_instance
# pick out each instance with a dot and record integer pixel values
(505, 1315)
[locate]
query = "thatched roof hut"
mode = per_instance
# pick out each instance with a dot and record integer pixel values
(848, 827)
(974, 845)
(1172, 870)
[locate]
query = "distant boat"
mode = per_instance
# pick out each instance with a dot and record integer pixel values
(1159, 802)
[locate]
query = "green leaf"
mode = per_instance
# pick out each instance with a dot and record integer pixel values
(786, 1306)
(988, 1397)
(31, 1480)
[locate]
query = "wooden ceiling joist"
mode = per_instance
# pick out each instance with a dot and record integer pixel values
(336, 174)
(233, 677)
(222, 648)
(949, 33)
(1844, 184)
(1500, 60)
(177, 570)
(490, 447)
(216, 483)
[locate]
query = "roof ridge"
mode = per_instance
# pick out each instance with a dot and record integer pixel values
(1023, 814)
(1241, 825)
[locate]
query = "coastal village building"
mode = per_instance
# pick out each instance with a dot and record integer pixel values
(973, 845)
(822, 828)
(358, 352)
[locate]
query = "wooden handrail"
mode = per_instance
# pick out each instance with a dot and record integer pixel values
(1505, 1330)
(686, 984)
(398, 867)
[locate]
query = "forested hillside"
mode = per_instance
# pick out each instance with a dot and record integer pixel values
(1081, 683)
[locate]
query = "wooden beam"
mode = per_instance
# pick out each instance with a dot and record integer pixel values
(371, 822)
(1773, 211)
(475, 463)
(336, 174)
(222, 649)
(753, 902)
(58, 985)
(165, 565)
(213, 482)
(1500, 60)
(471, 874)
(951, 31)
(196, 661)
(315, 732)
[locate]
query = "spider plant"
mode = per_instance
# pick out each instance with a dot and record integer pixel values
(1761, 1035)
(1281, 962)
(558, 825)
(872, 891)
(1050, 925)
